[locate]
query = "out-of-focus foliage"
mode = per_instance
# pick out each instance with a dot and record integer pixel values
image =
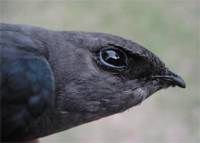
(170, 28)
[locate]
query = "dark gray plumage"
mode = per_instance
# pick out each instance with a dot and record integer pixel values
(52, 81)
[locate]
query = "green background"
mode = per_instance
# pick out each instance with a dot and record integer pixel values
(169, 28)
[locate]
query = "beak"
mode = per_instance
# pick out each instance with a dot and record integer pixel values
(174, 79)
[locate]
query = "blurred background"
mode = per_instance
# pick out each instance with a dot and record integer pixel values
(169, 28)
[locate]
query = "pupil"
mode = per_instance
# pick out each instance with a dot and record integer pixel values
(114, 57)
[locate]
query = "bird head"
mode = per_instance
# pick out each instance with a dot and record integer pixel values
(101, 74)
(95, 75)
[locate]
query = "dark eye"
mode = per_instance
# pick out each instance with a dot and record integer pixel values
(113, 58)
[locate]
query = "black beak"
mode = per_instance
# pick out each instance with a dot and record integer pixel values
(173, 79)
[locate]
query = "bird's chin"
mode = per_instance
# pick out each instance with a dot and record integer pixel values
(147, 90)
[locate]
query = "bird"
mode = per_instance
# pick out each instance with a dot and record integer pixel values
(52, 80)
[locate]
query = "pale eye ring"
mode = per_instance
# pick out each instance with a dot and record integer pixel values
(113, 58)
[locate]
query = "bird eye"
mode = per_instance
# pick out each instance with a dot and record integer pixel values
(114, 58)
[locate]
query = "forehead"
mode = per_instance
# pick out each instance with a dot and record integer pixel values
(95, 41)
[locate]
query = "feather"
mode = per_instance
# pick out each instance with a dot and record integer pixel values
(55, 80)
